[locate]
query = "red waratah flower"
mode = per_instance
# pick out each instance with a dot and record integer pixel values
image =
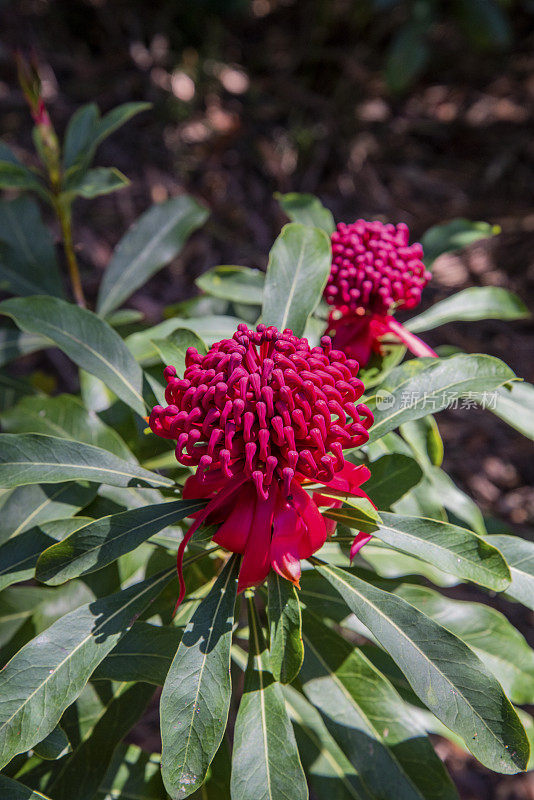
(260, 415)
(374, 272)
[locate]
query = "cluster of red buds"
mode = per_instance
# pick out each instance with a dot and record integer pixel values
(265, 405)
(374, 268)
(259, 415)
(374, 272)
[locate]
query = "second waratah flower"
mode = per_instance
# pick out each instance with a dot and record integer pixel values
(261, 416)
(375, 271)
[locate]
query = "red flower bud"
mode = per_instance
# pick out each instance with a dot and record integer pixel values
(374, 271)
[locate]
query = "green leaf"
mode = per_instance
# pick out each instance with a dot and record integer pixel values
(286, 648)
(18, 556)
(358, 513)
(14, 343)
(124, 316)
(454, 235)
(196, 695)
(495, 640)
(477, 302)
(455, 550)
(27, 506)
(444, 673)
(528, 723)
(265, 762)
(13, 790)
(431, 441)
(80, 134)
(455, 500)
(392, 564)
(155, 239)
(364, 714)
(95, 182)
(429, 385)
(66, 417)
(133, 774)
(306, 209)
(144, 654)
(329, 772)
(115, 118)
(217, 783)
(86, 130)
(515, 405)
(392, 476)
(54, 746)
(380, 364)
(34, 458)
(173, 349)
(48, 674)
(236, 284)
(28, 262)
(519, 555)
(81, 717)
(82, 774)
(86, 339)
(16, 607)
(17, 176)
(209, 329)
(298, 268)
(100, 542)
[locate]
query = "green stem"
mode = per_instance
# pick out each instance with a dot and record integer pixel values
(65, 220)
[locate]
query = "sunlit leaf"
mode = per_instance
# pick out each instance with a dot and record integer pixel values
(18, 556)
(428, 385)
(35, 458)
(519, 555)
(83, 772)
(196, 695)
(27, 506)
(298, 268)
(265, 761)
(515, 405)
(454, 235)
(154, 240)
(47, 675)
(66, 417)
(438, 665)
(306, 210)
(86, 339)
(285, 629)
(495, 640)
(236, 284)
(474, 303)
(364, 714)
(101, 541)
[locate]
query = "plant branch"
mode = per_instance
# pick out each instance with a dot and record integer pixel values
(65, 220)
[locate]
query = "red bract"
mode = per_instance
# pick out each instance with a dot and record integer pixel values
(259, 415)
(374, 272)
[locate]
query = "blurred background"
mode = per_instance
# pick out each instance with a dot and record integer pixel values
(402, 110)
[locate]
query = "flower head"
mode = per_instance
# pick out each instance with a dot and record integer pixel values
(374, 272)
(374, 268)
(259, 415)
